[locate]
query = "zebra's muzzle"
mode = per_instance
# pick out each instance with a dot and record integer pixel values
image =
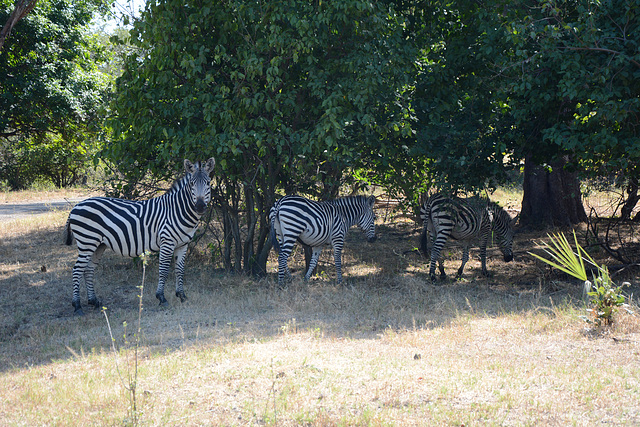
(372, 239)
(200, 206)
(508, 258)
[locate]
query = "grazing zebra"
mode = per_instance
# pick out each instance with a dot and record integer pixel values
(468, 221)
(130, 228)
(317, 224)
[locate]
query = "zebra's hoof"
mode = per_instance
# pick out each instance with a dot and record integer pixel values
(181, 295)
(95, 303)
(77, 308)
(163, 300)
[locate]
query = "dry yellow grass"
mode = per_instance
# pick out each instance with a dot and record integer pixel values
(387, 349)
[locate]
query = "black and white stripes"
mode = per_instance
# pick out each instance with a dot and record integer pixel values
(165, 224)
(317, 224)
(468, 221)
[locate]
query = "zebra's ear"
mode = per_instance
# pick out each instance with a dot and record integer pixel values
(371, 200)
(188, 166)
(490, 212)
(208, 166)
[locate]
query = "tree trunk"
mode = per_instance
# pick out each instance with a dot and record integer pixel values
(631, 201)
(551, 198)
(20, 10)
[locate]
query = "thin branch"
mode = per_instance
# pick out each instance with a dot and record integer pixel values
(601, 49)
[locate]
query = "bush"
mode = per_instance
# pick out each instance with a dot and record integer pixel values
(48, 158)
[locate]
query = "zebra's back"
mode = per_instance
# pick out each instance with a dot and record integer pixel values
(127, 227)
(310, 221)
(464, 218)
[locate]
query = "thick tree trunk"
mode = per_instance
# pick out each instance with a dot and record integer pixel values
(631, 201)
(551, 198)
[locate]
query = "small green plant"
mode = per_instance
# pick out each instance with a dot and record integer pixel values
(605, 297)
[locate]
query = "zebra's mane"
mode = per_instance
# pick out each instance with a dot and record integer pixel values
(178, 184)
(499, 211)
(358, 198)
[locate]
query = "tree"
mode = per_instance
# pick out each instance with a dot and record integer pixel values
(573, 90)
(460, 139)
(550, 84)
(284, 94)
(51, 91)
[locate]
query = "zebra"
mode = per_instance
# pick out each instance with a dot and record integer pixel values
(468, 221)
(165, 223)
(316, 224)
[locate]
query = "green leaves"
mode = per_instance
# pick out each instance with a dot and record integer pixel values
(52, 91)
(564, 258)
(605, 296)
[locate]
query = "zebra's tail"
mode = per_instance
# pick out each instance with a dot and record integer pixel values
(68, 235)
(425, 216)
(423, 246)
(274, 238)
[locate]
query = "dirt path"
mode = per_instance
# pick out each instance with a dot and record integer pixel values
(9, 211)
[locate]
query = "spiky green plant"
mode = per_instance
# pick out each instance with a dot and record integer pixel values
(605, 296)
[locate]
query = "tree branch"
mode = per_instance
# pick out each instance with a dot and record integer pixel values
(601, 49)
(20, 10)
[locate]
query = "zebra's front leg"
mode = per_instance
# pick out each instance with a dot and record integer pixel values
(337, 256)
(166, 254)
(180, 256)
(313, 262)
(483, 258)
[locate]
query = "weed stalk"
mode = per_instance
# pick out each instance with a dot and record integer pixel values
(131, 384)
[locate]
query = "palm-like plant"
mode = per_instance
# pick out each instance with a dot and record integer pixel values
(605, 296)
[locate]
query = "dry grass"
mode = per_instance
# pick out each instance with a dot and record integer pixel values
(45, 195)
(387, 349)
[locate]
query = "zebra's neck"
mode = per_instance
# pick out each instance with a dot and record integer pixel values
(499, 215)
(349, 208)
(179, 199)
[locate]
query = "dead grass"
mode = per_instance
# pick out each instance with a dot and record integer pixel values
(387, 349)
(45, 195)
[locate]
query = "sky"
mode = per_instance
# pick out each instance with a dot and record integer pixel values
(120, 8)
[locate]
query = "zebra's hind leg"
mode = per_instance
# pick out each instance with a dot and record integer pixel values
(89, 274)
(443, 275)
(284, 275)
(180, 256)
(313, 262)
(78, 273)
(465, 258)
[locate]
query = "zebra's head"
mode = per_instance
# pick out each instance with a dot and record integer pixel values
(502, 225)
(367, 219)
(199, 180)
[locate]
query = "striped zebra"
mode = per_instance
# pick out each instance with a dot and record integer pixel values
(467, 220)
(316, 224)
(165, 223)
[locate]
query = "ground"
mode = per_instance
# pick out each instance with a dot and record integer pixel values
(388, 348)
